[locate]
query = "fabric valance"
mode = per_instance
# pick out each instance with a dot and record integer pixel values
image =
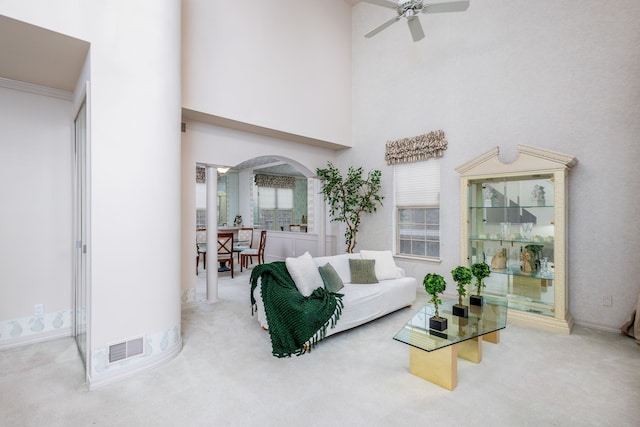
(275, 181)
(414, 149)
(201, 175)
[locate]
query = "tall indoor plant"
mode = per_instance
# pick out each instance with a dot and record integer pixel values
(350, 197)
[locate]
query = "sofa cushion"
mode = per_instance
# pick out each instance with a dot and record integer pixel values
(331, 278)
(304, 273)
(340, 263)
(363, 271)
(385, 265)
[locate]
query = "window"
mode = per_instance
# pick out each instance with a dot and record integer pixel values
(201, 205)
(201, 218)
(275, 207)
(417, 200)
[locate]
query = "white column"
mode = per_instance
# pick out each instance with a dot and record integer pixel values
(212, 235)
(320, 218)
(244, 198)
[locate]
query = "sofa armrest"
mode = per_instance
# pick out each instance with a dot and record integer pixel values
(402, 272)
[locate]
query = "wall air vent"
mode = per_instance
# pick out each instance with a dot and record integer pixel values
(126, 350)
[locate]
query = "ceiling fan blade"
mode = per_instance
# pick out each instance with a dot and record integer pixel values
(383, 26)
(415, 28)
(383, 3)
(454, 6)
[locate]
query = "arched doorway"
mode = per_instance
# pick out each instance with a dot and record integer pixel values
(295, 225)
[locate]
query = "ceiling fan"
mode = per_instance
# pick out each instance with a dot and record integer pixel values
(410, 10)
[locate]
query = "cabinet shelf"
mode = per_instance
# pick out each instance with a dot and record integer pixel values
(548, 275)
(542, 242)
(513, 207)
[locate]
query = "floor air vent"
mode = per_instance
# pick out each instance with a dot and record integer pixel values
(125, 350)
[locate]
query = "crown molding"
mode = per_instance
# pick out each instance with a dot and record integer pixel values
(478, 160)
(529, 159)
(36, 89)
(552, 156)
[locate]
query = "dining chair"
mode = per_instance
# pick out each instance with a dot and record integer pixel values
(201, 247)
(245, 240)
(248, 254)
(225, 250)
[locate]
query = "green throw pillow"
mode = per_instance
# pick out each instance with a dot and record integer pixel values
(363, 270)
(330, 277)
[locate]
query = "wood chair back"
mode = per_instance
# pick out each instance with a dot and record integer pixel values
(225, 249)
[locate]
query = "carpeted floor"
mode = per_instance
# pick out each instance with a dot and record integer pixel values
(226, 376)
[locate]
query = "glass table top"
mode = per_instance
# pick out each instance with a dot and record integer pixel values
(491, 317)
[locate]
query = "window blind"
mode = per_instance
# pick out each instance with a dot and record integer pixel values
(285, 198)
(201, 196)
(267, 198)
(275, 198)
(417, 184)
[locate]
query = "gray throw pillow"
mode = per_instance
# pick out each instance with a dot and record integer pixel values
(363, 270)
(331, 279)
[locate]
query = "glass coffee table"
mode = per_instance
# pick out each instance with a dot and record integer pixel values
(433, 355)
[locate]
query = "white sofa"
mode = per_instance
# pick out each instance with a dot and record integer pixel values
(362, 302)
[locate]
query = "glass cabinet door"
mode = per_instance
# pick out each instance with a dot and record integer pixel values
(511, 228)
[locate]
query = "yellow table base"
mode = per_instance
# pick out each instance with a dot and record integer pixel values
(441, 366)
(493, 337)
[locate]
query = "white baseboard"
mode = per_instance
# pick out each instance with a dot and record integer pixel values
(33, 339)
(189, 305)
(598, 327)
(136, 366)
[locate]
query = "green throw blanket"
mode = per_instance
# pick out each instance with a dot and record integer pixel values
(296, 323)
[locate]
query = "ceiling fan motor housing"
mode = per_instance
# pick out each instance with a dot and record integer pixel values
(409, 7)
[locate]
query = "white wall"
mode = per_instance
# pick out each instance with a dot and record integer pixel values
(556, 75)
(283, 65)
(135, 170)
(35, 212)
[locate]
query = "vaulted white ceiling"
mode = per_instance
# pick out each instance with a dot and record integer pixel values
(39, 56)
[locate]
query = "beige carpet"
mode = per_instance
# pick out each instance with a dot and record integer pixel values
(226, 376)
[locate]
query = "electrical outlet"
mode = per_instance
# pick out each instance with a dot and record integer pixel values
(38, 310)
(607, 301)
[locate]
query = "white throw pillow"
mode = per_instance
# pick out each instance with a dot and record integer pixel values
(385, 265)
(304, 273)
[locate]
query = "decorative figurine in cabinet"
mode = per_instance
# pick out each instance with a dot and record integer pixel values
(514, 218)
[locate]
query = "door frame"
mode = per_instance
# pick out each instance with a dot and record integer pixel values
(81, 294)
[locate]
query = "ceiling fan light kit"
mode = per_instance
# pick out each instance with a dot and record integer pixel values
(410, 9)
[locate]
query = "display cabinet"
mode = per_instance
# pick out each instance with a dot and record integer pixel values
(514, 218)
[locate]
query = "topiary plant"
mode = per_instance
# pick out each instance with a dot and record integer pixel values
(350, 197)
(462, 276)
(480, 270)
(434, 284)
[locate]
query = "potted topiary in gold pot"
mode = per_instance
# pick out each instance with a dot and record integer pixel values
(434, 284)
